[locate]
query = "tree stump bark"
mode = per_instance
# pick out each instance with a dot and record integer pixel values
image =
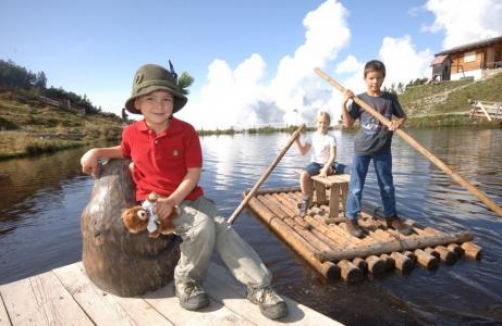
(115, 260)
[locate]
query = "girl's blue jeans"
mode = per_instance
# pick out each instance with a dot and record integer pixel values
(382, 163)
(314, 168)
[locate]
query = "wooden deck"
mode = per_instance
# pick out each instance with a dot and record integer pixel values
(325, 244)
(65, 296)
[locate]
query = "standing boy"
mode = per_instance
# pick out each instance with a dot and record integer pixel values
(167, 159)
(322, 158)
(373, 142)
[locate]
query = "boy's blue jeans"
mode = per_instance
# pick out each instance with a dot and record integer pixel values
(383, 169)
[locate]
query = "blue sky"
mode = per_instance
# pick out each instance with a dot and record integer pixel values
(253, 61)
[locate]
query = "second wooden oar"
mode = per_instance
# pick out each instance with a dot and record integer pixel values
(265, 175)
(455, 176)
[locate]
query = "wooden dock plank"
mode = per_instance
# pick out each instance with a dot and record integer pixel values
(163, 300)
(154, 308)
(41, 300)
(4, 317)
(230, 292)
(103, 308)
(65, 296)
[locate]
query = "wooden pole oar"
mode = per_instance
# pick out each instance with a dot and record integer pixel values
(455, 176)
(265, 175)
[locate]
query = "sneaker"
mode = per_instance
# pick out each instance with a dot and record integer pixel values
(353, 228)
(304, 206)
(270, 303)
(191, 295)
(396, 223)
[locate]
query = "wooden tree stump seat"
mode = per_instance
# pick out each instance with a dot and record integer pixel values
(339, 187)
(114, 259)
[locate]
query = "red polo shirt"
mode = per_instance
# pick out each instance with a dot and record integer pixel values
(161, 161)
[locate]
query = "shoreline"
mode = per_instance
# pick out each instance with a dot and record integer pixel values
(20, 143)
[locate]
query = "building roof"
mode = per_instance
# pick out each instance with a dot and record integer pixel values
(471, 46)
(439, 59)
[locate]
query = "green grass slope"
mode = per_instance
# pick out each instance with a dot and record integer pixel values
(448, 102)
(30, 127)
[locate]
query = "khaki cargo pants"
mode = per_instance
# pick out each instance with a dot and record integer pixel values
(202, 230)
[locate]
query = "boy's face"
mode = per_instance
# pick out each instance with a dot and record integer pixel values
(156, 107)
(374, 80)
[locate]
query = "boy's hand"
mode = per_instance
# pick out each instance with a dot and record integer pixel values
(346, 95)
(164, 208)
(394, 125)
(89, 162)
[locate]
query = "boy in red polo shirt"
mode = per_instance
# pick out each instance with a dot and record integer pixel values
(167, 159)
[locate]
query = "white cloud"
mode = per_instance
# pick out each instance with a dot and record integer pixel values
(326, 33)
(354, 70)
(242, 97)
(230, 97)
(403, 62)
(349, 65)
(465, 21)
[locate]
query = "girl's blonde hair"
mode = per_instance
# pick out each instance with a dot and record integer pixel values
(324, 115)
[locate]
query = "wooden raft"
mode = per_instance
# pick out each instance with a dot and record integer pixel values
(322, 240)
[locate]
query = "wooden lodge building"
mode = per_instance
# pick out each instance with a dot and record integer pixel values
(473, 60)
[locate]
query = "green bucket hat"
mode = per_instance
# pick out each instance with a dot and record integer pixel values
(151, 77)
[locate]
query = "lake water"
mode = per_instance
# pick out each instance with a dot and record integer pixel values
(41, 200)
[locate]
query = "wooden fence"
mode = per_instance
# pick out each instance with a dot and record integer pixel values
(486, 109)
(62, 104)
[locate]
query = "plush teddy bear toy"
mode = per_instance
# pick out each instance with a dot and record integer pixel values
(142, 217)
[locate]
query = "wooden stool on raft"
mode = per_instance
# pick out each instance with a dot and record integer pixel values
(339, 187)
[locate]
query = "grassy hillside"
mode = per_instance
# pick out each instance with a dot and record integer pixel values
(29, 127)
(448, 100)
(32, 115)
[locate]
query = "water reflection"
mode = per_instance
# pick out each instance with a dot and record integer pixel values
(41, 202)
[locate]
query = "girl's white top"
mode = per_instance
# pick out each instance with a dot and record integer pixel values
(320, 146)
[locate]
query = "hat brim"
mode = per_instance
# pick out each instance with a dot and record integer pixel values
(179, 100)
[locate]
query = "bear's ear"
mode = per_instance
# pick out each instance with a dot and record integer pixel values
(126, 213)
(142, 214)
(128, 220)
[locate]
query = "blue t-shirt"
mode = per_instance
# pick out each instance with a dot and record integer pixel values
(373, 137)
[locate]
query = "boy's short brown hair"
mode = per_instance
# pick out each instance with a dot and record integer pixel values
(374, 65)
